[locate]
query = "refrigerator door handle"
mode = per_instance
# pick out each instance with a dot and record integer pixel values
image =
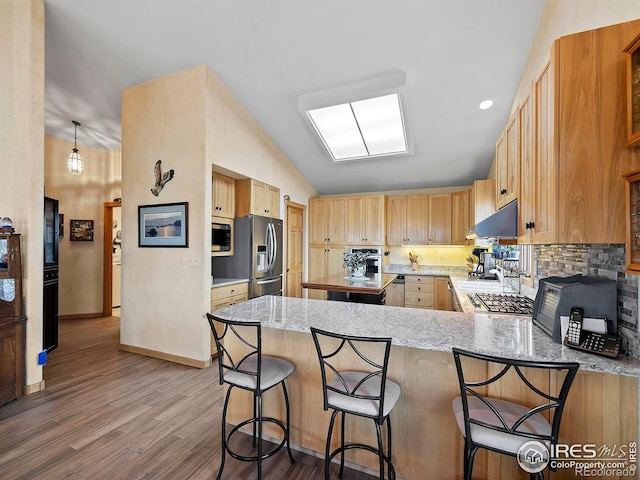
(273, 280)
(274, 244)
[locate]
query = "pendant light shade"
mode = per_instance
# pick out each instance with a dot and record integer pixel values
(75, 164)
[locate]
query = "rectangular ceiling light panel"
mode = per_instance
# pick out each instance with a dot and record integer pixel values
(339, 131)
(380, 122)
(361, 129)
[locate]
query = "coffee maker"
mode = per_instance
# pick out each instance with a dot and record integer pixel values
(488, 266)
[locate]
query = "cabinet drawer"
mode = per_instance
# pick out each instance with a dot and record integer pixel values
(418, 287)
(218, 293)
(418, 299)
(418, 279)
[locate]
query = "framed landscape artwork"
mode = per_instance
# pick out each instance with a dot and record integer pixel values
(164, 225)
(81, 230)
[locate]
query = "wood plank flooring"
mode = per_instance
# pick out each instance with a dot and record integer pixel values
(107, 414)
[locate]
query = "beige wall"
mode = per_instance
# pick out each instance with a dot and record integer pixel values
(81, 197)
(22, 147)
(190, 121)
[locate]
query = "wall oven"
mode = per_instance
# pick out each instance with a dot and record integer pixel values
(374, 258)
(221, 237)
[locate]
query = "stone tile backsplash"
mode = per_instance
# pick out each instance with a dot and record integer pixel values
(604, 260)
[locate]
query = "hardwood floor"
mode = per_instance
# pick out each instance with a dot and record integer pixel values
(107, 414)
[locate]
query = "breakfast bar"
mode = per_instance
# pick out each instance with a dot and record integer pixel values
(602, 407)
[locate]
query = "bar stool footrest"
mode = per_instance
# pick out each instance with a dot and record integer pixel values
(268, 454)
(351, 446)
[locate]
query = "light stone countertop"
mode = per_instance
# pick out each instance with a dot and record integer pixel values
(223, 282)
(500, 335)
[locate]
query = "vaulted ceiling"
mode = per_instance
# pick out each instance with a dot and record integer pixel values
(454, 53)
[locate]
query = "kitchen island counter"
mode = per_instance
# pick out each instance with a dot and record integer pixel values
(426, 440)
(371, 284)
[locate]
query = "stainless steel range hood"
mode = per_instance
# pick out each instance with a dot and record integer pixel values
(501, 224)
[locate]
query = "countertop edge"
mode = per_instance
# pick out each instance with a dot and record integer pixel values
(223, 282)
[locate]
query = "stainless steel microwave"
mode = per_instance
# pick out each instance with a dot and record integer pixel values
(221, 237)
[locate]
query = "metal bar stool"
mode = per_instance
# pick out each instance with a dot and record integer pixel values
(504, 426)
(252, 371)
(367, 393)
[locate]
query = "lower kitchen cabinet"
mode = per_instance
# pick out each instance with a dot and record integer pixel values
(224, 296)
(11, 358)
(395, 295)
(427, 291)
(419, 291)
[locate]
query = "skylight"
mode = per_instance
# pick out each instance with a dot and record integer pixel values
(360, 121)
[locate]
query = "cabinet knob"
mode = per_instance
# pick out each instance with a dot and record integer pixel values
(533, 224)
(418, 288)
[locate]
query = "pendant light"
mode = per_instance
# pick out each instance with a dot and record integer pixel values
(75, 164)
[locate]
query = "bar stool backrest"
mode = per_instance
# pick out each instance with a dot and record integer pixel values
(339, 354)
(249, 337)
(497, 368)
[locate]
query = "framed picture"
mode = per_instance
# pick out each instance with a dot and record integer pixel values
(81, 230)
(163, 225)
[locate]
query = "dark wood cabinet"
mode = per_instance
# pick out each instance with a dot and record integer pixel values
(11, 319)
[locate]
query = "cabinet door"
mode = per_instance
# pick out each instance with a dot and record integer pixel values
(526, 200)
(356, 221)
(374, 224)
(223, 196)
(258, 198)
(318, 219)
(418, 219)
(272, 201)
(440, 219)
(337, 220)
(512, 161)
(459, 217)
(317, 263)
(546, 169)
(334, 262)
(396, 220)
(501, 171)
(442, 294)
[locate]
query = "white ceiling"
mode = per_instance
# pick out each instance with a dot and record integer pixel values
(455, 53)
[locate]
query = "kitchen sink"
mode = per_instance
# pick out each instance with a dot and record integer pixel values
(483, 286)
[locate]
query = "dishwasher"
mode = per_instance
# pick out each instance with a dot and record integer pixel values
(395, 292)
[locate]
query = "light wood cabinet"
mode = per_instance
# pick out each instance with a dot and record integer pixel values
(408, 220)
(257, 198)
(526, 202)
(395, 295)
(365, 220)
(223, 196)
(324, 261)
(508, 163)
(440, 219)
(442, 294)
(581, 133)
(460, 212)
(484, 199)
(327, 221)
(419, 291)
(633, 90)
(225, 296)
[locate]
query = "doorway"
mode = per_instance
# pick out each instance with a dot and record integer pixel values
(112, 258)
(295, 242)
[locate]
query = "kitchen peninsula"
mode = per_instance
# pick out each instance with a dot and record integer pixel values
(369, 289)
(426, 440)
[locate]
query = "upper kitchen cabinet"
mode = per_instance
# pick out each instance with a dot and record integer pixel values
(365, 220)
(440, 219)
(408, 220)
(508, 163)
(484, 199)
(460, 212)
(581, 133)
(223, 196)
(633, 221)
(327, 221)
(526, 202)
(257, 198)
(633, 90)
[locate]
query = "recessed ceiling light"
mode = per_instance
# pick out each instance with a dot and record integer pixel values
(485, 104)
(359, 121)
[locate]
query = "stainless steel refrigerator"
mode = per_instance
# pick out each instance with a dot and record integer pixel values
(257, 255)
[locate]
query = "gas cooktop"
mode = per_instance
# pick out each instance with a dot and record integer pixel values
(501, 303)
